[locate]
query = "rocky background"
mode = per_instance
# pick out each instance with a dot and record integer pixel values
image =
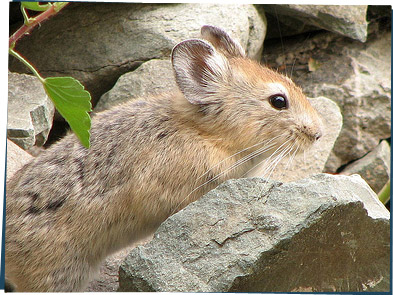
(339, 55)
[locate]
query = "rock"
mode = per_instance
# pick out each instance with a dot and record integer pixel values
(108, 279)
(283, 26)
(355, 75)
(324, 233)
(15, 13)
(109, 40)
(150, 78)
(16, 158)
(346, 20)
(379, 18)
(374, 167)
(30, 111)
(314, 159)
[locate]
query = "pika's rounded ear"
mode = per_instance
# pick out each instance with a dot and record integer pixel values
(222, 41)
(199, 70)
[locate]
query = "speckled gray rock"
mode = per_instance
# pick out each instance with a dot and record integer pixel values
(313, 160)
(16, 158)
(30, 111)
(347, 20)
(98, 42)
(374, 167)
(355, 75)
(153, 77)
(324, 233)
(107, 280)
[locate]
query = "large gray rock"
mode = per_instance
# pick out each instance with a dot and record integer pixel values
(347, 20)
(374, 167)
(355, 75)
(30, 111)
(324, 233)
(97, 42)
(313, 160)
(151, 78)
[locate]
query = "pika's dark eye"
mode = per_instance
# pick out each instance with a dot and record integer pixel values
(278, 102)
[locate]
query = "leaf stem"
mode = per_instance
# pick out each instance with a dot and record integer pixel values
(384, 195)
(27, 64)
(33, 22)
(25, 16)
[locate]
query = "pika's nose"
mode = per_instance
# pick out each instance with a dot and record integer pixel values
(314, 133)
(318, 135)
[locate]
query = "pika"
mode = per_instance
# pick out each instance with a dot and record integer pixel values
(71, 207)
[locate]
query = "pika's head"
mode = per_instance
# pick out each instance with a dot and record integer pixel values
(241, 98)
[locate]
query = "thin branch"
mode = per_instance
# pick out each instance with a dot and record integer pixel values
(27, 28)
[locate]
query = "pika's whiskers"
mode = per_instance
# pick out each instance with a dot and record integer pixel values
(262, 162)
(282, 152)
(291, 157)
(235, 154)
(233, 166)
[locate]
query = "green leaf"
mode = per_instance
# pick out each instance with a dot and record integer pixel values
(35, 6)
(73, 103)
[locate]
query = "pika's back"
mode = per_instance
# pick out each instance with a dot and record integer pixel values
(67, 169)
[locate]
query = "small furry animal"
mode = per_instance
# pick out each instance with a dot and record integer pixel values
(71, 207)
